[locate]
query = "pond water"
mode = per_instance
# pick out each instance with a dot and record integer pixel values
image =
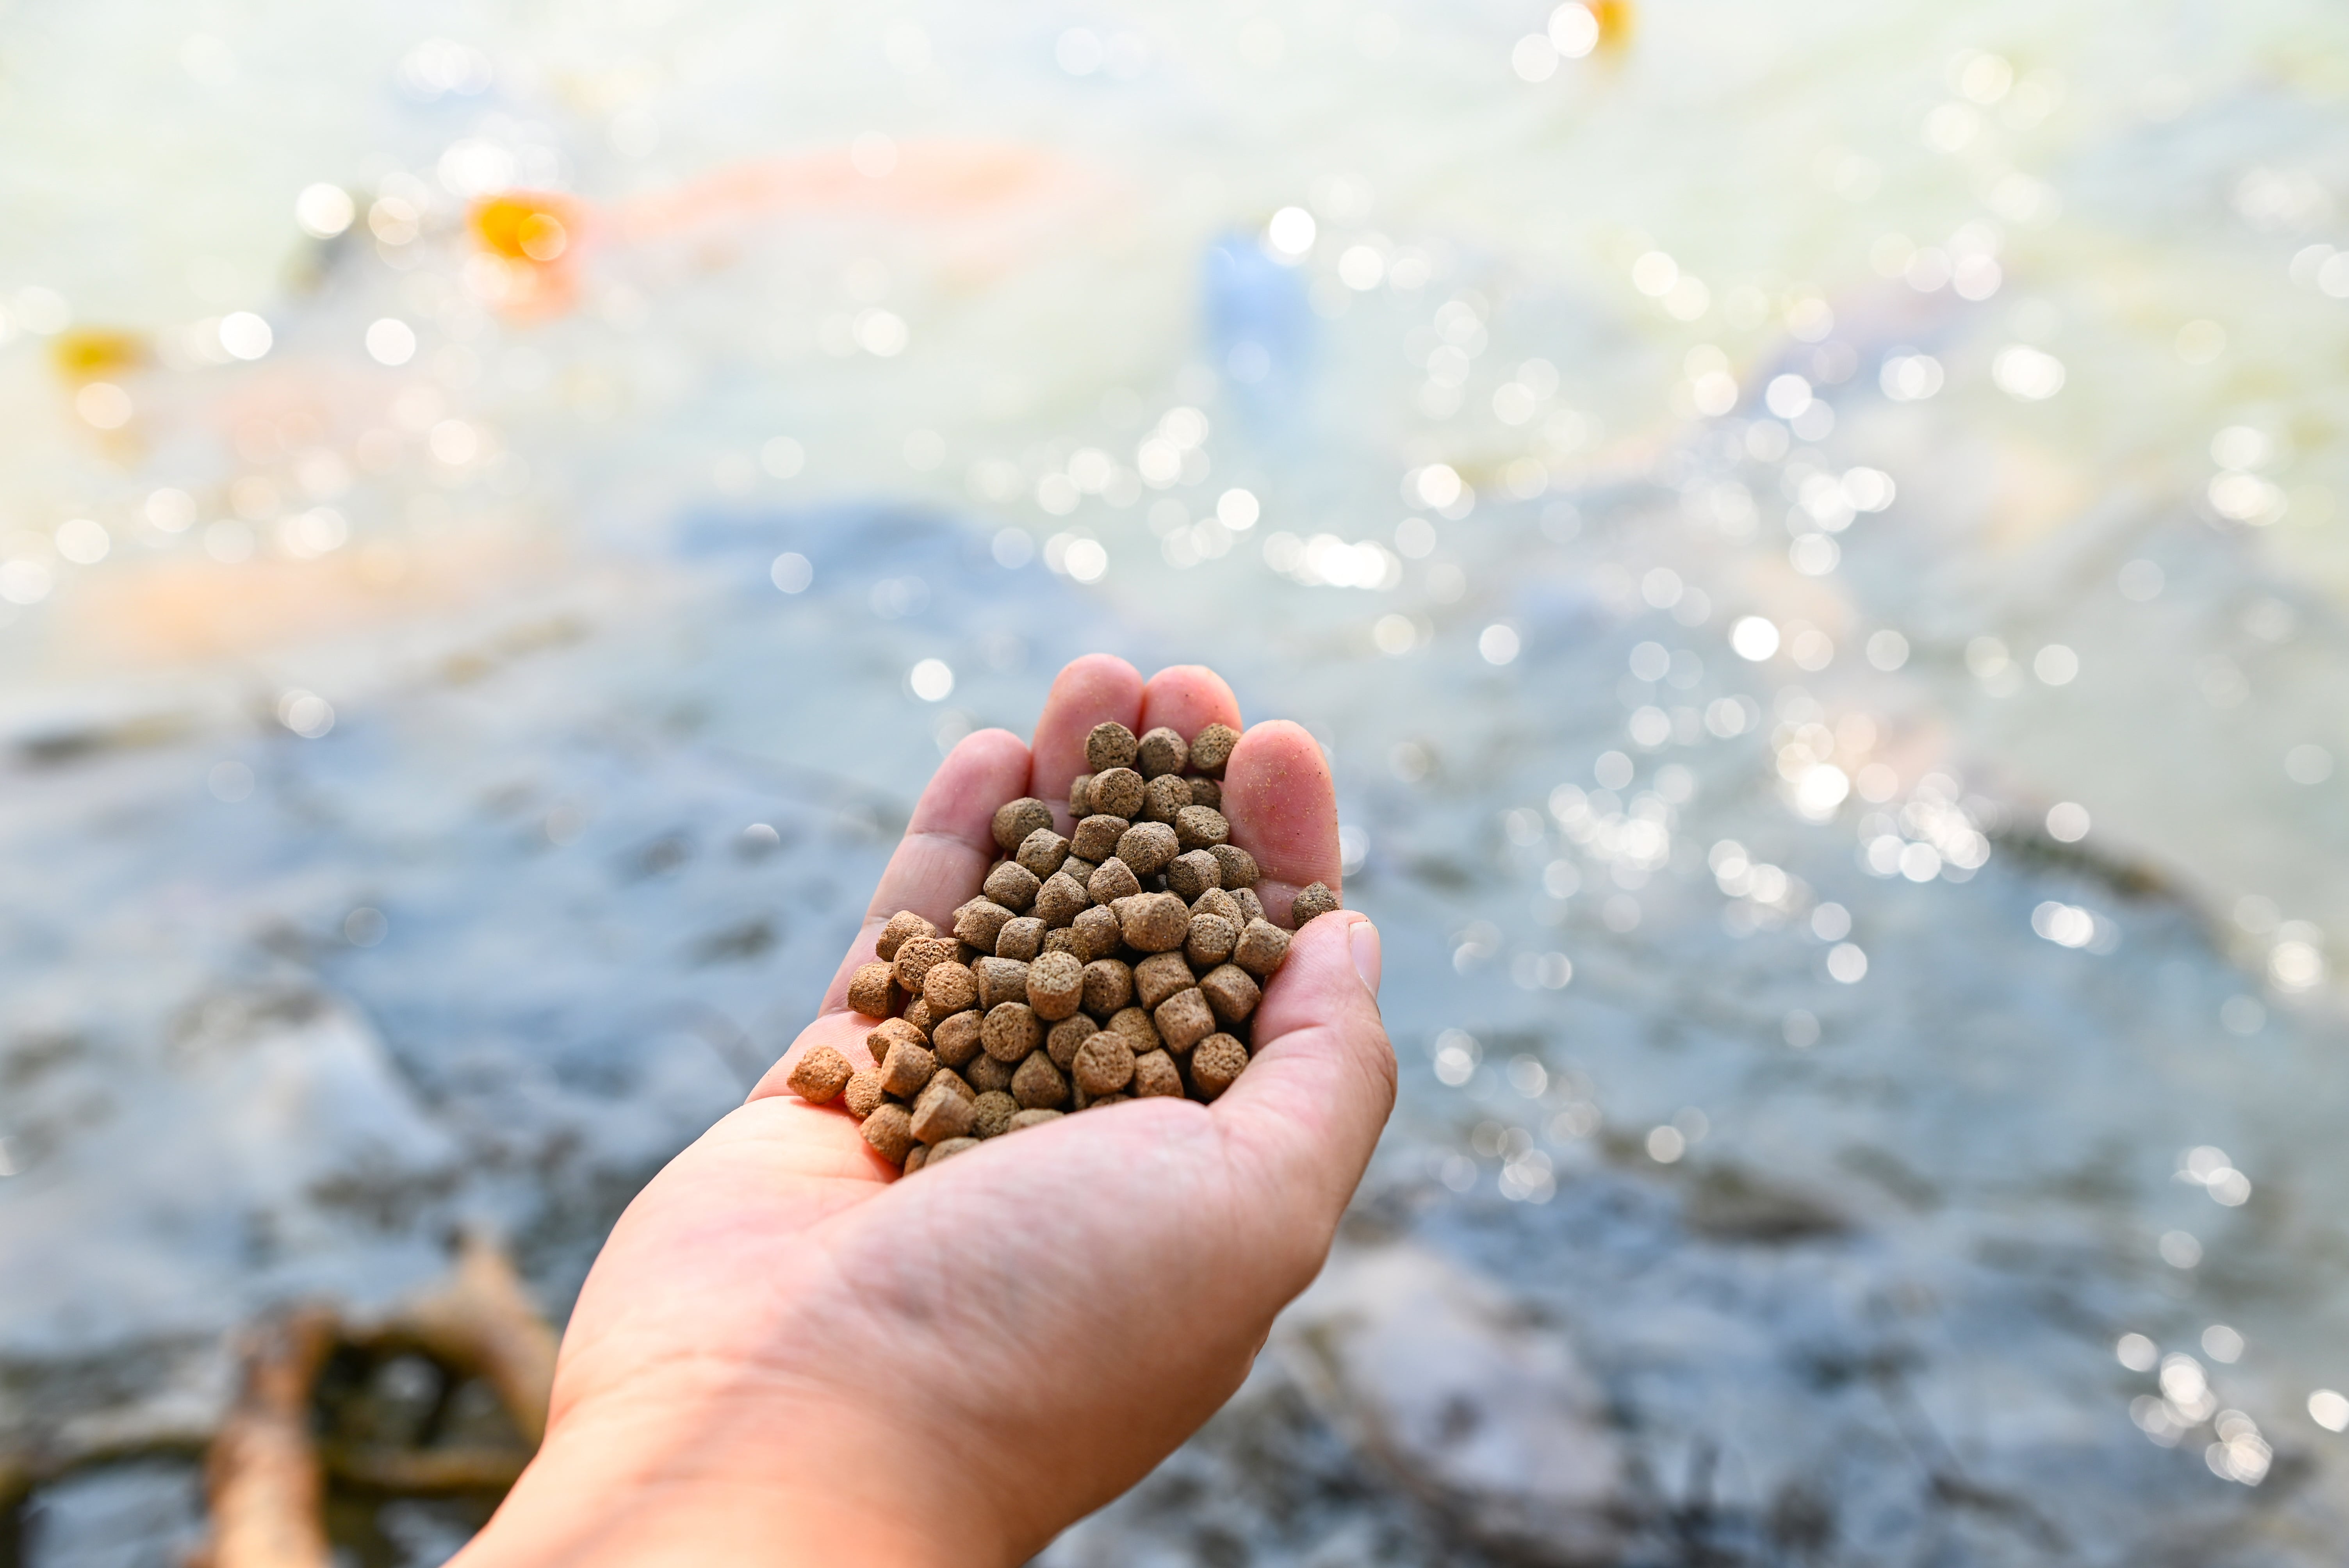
(1809, 538)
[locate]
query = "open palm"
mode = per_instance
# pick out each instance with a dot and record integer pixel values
(787, 1353)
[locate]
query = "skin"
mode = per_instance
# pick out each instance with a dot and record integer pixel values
(788, 1354)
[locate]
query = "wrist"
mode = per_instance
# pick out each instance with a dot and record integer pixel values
(772, 1482)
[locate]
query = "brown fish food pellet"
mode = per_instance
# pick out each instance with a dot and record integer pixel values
(1014, 886)
(1239, 866)
(1191, 876)
(1184, 1019)
(914, 959)
(1215, 1063)
(1212, 747)
(908, 1068)
(1165, 797)
(1126, 959)
(1162, 751)
(1042, 852)
(991, 1113)
(956, 1039)
(902, 926)
(1231, 992)
(1135, 1023)
(1154, 1073)
(1159, 976)
(1010, 1031)
(1061, 1043)
(1154, 922)
(868, 990)
(1147, 848)
(1219, 904)
(1104, 1064)
(1095, 934)
(890, 1130)
(1015, 820)
(1020, 938)
(820, 1076)
(1315, 900)
(1000, 980)
(1096, 838)
(864, 1094)
(1200, 827)
(1116, 793)
(949, 988)
(1037, 1085)
(1111, 881)
(941, 1114)
(1108, 746)
(1261, 948)
(980, 922)
(1059, 900)
(1211, 940)
(1056, 983)
(891, 1032)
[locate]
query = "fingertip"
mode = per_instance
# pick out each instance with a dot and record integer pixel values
(1186, 698)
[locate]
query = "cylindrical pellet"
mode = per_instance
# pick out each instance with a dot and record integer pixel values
(1154, 1073)
(907, 1070)
(1164, 797)
(1231, 993)
(1239, 866)
(949, 988)
(1212, 747)
(890, 1130)
(1095, 934)
(1159, 976)
(1066, 1036)
(1015, 820)
(981, 924)
(1113, 880)
(1010, 1031)
(819, 1077)
(1110, 744)
(1059, 900)
(1117, 792)
(902, 926)
(1161, 751)
(1154, 922)
(1184, 1019)
(1147, 847)
(1216, 1061)
(1037, 1085)
(1096, 838)
(1020, 938)
(1200, 827)
(991, 1113)
(1042, 852)
(1192, 875)
(1315, 900)
(1056, 983)
(1261, 949)
(956, 1039)
(868, 990)
(1013, 886)
(1104, 1063)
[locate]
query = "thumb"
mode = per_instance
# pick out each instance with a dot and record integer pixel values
(1321, 1083)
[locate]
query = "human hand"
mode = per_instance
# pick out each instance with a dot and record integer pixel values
(787, 1353)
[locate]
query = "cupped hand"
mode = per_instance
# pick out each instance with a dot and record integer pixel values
(788, 1353)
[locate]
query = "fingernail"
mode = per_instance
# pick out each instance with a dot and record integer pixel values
(1363, 941)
